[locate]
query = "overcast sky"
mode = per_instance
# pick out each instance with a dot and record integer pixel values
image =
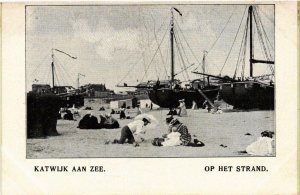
(113, 42)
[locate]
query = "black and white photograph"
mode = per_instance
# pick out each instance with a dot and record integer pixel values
(144, 97)
(150, 81)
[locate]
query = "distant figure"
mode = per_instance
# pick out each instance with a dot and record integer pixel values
(172, 112)
(194, 106)
(146, 105)
(139, 111)
(207, 106)
(122, 113)
(127, 115)
(110, 122)
(182, 109)
(177, 86)
(151, 106)
(75, 111)
(88, 108)
(218, 110)
(112, 111)
(68, 115)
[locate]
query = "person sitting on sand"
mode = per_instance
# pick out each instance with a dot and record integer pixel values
(112, 111)
(139, 111)
(172, 139)
(172, 112)
(110, 122)
(133, 132)
(262, 146)
(68, 115)
(182, 109)
(174, 125)
(207, 106)
(88, 122)
(122, 113)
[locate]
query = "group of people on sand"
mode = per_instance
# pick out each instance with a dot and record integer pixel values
(177, 134)
(89, 121)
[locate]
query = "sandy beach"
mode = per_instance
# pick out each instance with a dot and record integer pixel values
(227, 129)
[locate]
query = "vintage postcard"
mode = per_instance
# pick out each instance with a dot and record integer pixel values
(126, 97)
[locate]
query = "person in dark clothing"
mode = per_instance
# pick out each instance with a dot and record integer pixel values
(68, 115)
(88, 122)
(122, 113)
(112, 111)
(172, 112)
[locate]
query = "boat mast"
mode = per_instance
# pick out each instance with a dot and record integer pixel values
(172, 46)
(52, 64)
(78, 83)
(203, 67)
(52, 68)
(251, 41)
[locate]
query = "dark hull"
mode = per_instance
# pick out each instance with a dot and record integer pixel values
(168, 98)
(68, 100)
(248, 95)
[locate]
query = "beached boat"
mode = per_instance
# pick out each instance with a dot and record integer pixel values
(253, 92)
(68, 94)
(167, 93)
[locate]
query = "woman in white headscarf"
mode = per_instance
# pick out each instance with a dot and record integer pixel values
(182, 108)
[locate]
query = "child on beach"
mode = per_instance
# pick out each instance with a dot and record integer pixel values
(172, 139)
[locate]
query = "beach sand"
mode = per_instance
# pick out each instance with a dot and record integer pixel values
(228, 129)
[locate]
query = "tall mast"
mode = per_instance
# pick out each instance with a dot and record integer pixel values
(52, 68)
(172, 46)
(78, 84)
(251, 41)
(52, 64)
(203, 65)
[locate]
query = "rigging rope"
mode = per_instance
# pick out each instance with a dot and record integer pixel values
(181, 57)
(187, 42)
(144, 63)
(67, 80)
(161, 56)
(155, 53)
(39, 65)
(220, 33)
(263, 46)
(233, 41)
(167, 61)
(68, 76)
(180, 62)
(244, 38)
(263, 25)
(180, 44)
(130, 70)
(244, 56)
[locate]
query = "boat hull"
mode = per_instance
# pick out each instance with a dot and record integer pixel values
(169, 98)
(248, 95)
